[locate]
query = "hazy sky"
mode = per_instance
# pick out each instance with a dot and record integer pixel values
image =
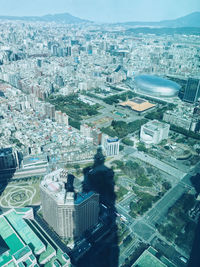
(103, 10)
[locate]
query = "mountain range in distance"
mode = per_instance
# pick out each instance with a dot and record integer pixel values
(191, 20)
(65, 18)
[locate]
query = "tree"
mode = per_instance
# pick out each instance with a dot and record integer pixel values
(166, 185)
(132, 205)
(76, 166)
(121, 147)
(130, 168)
(75, 124)
(119, 164)
(184, 132)
(143, 181)
(127, 240)
(198, 151)
(127, 141)
(109, 131)
(141, 147)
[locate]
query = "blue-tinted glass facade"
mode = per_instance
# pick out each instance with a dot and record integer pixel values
(192, 91)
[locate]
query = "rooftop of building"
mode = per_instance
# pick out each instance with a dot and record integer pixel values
(56, 183)
(155, 125)
(23, 240)
(82, 197)
(113, 140)
(5, 151)
(149, 258)
(27, 235)
(138, 104)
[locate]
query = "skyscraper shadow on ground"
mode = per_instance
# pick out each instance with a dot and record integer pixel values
(5, 178)
(9, 162)
(194, 260)
(99, 178)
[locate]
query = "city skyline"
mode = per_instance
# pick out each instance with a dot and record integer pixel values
(99, 136)
(112, 11)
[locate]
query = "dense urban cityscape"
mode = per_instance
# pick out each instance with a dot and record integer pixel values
(99, 144)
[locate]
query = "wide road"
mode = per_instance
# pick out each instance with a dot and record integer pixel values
(159, 164)
(143, 230)
(144, 227)
(123, 212)
(161, 207)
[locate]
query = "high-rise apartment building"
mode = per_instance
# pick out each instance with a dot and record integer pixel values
(70, 214)
(192, 91)
(91, 132)
(50, 111)
(110, 145)
(61, 118)
(86, 130)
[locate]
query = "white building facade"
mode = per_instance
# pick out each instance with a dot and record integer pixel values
(110, 145)
(70, 214)
(153, 132)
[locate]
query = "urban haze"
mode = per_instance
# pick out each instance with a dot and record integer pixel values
(99, 133)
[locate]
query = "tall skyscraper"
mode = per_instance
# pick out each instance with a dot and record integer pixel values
(192, 91)
(69, 213)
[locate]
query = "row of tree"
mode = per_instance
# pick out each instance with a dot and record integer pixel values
(122, 129)
(73, 107)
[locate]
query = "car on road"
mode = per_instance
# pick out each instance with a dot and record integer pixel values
(183, 259)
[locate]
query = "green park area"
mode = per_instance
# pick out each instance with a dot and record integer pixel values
(115, 99)
(122, 232)
(144, 184)
(121, 129)
(178, 227)
(134, 171)
(121, 192)
(21, 194)
(145, 201)
(73, 107)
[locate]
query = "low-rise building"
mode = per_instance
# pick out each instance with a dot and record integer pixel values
(138, 105)
(183, 120)
(153, 132)
(24, 244)
(149, 258)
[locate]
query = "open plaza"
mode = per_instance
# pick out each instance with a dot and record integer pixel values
(21, 194)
